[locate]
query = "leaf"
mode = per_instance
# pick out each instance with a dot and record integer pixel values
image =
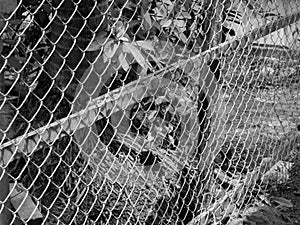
(152, 114)
(168, 2)
(123, 62)
(189, 67)
(119, 29)
(148, 45)
(236, 221)
(183, 38)
(98, 42)
(185, 15)
(147, 23)
(22, 201)
(283, 202)
(181, 25)
(130, 48)
(133, 23)
(166, 23)
(124, 38)
(160, 11)
(110, 49)
(7, 6)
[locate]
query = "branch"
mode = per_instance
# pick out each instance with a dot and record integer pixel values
(30, 141)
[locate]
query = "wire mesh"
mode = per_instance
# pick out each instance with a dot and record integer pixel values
(146, 112)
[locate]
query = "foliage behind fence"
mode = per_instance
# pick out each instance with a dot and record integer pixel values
(145, 112)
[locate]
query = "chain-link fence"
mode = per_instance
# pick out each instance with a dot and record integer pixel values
(146, 112)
